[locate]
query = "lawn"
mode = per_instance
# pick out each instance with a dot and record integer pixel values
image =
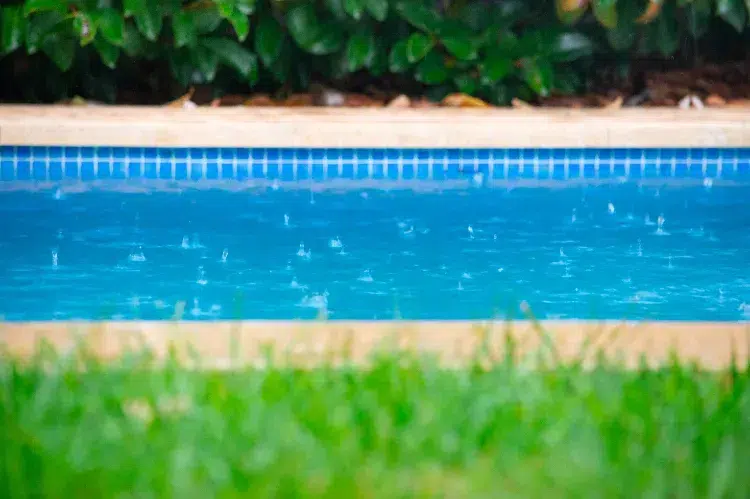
(402, 426)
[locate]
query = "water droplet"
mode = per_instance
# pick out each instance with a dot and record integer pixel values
(470, 229)
(137, 256)
(335, 243)
(640, 248)
(708, 183)
(466, 275)
(500, 269)
(366, 276)
(611, 209)
(185, 242)
(460, 286)
(224, 255)
(302, 253)
(202, 277)
(286, 220)
(275, 185)
(58, 194)
(660, 224)
(60, 234)
(196, 310)
(54, 258)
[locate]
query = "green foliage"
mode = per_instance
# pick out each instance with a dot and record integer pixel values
(402, 427)
(494, 49)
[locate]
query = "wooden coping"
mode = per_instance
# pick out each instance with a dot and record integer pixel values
(219, 344)
(370, 127)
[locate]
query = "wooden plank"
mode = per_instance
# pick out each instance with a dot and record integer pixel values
(711, 345)
(367, 127)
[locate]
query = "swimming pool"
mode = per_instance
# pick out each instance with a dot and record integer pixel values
(114, 233)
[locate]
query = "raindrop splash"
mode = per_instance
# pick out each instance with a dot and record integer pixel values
(202, 281)
(137, 257)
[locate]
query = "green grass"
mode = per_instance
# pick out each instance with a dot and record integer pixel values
(401, 427)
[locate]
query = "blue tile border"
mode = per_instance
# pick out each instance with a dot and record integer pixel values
(25, 163)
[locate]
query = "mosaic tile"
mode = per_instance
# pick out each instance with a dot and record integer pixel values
(40, 164)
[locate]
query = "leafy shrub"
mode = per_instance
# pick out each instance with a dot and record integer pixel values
(493, 49)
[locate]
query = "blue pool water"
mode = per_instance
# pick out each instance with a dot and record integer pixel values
(667, 249)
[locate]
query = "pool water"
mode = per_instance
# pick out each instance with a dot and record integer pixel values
(620, 250)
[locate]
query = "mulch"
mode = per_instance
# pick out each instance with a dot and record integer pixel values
(709, 85)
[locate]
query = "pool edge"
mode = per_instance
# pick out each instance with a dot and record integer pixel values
(712, 345)
(23, 125)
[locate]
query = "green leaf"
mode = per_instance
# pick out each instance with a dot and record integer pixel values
(240, 22)
(378, 9)
(183, 29)
(458, 40)
(147, 14)
(281, 65)
(108, 52)
(354, 8)
(497, 65)
(31, 6)
(379, 60)
(667, 32)
(12, 28)
(234, 55)
(206, 20)
(605, 12)
(733, 12)
(417, 46)
(538, 76)
(60, 47)
(570, 11)
(461, 47)
(359, 51)
(699, 17)
(431, 70)
(330, 39)
(246, 7)
(181, 64)
(419, 16)
(303, 24)
(268, 38)
(398, 61)
(85, 28)
(207, 62)
(465, 83)
(336, 7)
(110, 24)
(572, 46)
(38, 26)
(133, 42)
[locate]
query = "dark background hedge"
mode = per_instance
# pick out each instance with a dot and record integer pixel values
(149, 50)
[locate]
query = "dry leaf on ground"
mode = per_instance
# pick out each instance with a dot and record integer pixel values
(462, 100)
(401, 101)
